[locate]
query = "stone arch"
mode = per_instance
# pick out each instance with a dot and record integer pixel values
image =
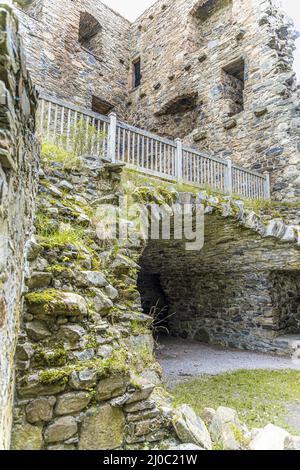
(228, 293)
(90, 32)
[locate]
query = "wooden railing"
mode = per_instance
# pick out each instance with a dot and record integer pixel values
(76, 128)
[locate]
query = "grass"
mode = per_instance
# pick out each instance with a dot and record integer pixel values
(260, 396)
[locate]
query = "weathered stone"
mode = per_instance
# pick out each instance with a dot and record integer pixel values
(269, 438)
(122, 264)
(37, 330)
(102, 429)
(208, 415)
(40, 410)
(225, 427)
(72, 403)
(292, 443)
(39, 280)
(72, 333)
(26, 437)
(199, 135)
(190, 428)
(33, 249)
(111, 388)
(91, 279)
(84, 379)
(24, 351)
(111, 292)
(32, 386)
(52, 302)
(229, 123)
(143, 391)
(61, 429)
(101, 302)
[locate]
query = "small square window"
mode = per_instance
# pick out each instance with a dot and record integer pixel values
(233, 87)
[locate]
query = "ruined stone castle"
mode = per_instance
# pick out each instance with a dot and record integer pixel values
(76, 348)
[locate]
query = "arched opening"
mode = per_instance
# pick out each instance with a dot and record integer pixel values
(90, 32)
(226, 294)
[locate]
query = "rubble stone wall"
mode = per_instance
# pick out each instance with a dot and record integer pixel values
(188, 52)
(18, 177)
(62, 65)
(218, 74)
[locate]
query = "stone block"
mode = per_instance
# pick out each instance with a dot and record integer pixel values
(111, 387)
(102, 429)
(40, 410)
(26, 437)
(70, 403)
(61, 429)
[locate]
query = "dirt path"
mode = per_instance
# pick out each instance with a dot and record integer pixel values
(183, 359)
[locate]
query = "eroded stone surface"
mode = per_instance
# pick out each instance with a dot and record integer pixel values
(102, 429)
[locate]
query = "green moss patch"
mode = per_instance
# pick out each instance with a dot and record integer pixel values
(260, 396)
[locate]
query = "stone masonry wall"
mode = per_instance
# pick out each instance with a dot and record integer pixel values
(241, 290)
(192, 57)
(216, 73)
(18, 176)
(86, 374)
(64, 67)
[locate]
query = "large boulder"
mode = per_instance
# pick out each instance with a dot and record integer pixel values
(190, 428)
(269, 438)
(102, 429)
(226, 429)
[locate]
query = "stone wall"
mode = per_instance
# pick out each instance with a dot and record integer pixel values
(86, 374)
(241, 290)
(194, 56)
(18, 176)
(64, 65)
(217, 74)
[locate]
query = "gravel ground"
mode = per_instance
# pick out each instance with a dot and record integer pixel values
(183, 359)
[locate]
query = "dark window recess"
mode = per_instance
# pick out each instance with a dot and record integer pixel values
(233, 86)
(90, 33)
(137, 76)
(210, 7)
(179, 105)
(101, 106)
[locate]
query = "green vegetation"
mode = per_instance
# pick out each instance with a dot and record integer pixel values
(43, 297)
(66, 234)
(258, 396)
(117, 364)
(54, 358)
(52, 153)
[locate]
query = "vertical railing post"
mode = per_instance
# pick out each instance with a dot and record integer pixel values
(179, 159)
(267, 185)
(228, 176)
(112, 134)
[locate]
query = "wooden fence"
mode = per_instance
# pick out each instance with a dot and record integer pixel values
(86, 132)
